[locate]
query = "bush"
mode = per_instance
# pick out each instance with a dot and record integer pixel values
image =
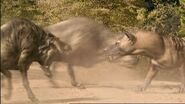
(116, 14)
(164, 20)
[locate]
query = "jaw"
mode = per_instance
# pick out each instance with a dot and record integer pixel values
(113, 58)
(118, 55)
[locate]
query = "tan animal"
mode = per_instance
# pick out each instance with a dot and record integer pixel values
(87, 39)
(165, 52)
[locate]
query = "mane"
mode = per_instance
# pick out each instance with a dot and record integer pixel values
(176, 42)
(45, 38)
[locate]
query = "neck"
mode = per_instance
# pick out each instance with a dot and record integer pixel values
(149, 44)
(155, 54)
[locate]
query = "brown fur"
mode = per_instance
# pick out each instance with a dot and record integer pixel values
(23, 42)
(165, 52)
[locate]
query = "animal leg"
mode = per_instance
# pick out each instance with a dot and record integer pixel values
(47, 68)
(26, 85)
(150, 75)
(72, 76)
(47, 71)
(52, 69)
(9, 86)
(182, 72)
(23, 65)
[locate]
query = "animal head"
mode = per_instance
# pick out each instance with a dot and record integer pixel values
(123, 46)
(52, 50)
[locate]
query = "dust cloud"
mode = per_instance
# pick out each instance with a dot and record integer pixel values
(104, 81)
(88, 39)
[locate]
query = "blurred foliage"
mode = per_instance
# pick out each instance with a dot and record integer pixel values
(164, 20)
(116, 14)
(17, 8)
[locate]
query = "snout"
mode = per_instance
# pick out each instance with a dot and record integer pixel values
(111, 53)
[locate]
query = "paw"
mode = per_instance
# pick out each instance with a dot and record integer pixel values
(49, 75)
(78, 85)
(33, 99)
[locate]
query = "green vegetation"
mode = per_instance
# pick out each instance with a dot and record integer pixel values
(116, 14)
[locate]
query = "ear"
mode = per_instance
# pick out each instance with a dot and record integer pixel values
(130, 36)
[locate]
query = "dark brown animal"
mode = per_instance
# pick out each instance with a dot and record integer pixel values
(165, 52)
(87, 39)
(23, 42)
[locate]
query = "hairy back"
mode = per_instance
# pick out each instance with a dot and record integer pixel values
(18, 35)
(176, 45)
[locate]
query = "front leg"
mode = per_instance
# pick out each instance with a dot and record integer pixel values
(50, 72)
(73, 78)
(23, 65)
(47, 71)
(150, 75)
(48, 61)
(182, 73)
(8, 76)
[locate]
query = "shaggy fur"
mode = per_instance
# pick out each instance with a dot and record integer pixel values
(23, 42)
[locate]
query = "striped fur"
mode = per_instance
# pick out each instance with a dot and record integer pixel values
(23, 42)
(165, 52)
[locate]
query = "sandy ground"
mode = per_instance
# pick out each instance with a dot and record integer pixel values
(105, 82)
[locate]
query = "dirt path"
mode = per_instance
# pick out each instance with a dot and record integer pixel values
(104, 83)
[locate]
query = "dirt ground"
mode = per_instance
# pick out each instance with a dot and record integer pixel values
(105, 83)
